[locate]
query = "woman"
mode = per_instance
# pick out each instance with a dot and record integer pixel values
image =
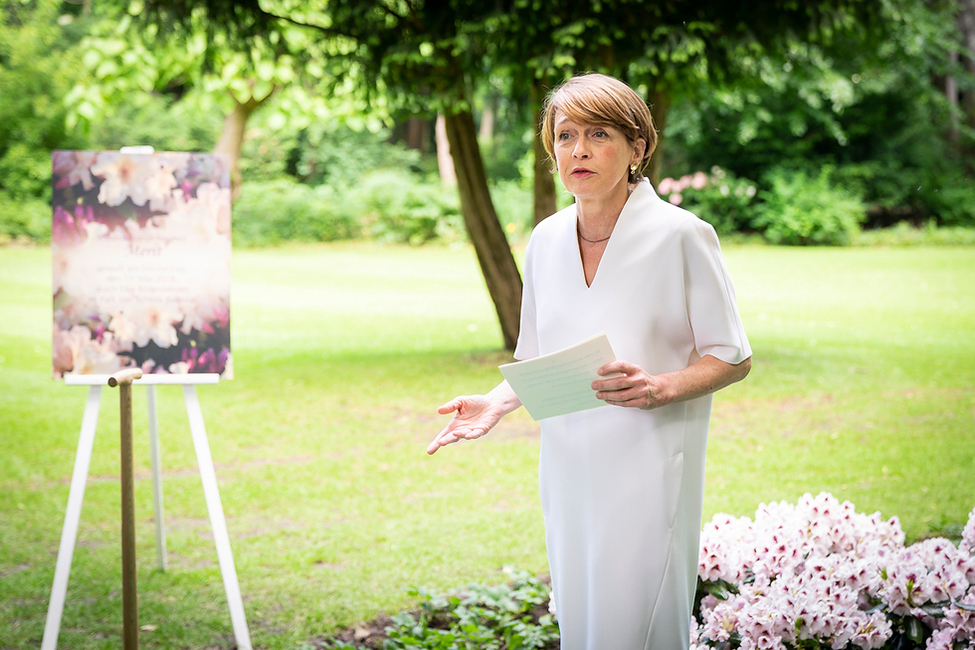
(621, 485)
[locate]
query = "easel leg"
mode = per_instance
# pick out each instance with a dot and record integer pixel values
(157, 491)
(217, 521)
(72, 515)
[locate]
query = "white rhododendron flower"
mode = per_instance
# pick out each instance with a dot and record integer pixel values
(73, 167)
(132, 176)
(98, 358)
(153, 322)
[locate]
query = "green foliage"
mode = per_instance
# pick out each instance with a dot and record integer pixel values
(869, 109)
(265, 154)
(803, 210)
(905, 234)
(950, 196)
(277, 211)
(783, 109)
(160, 122)
(515, 207)
(386, 205)
(510, 617)
(36, 70)
(336, 155)
(25, 172)
(395, 207)
(900, 162)
(26, 220)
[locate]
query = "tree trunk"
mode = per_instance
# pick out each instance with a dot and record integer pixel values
(659, 100)
(951, 92)
(544, 181)
(445, 164)
(232, 138)
(493, 253)
(966, 27)
(486, 131)
(416, 133)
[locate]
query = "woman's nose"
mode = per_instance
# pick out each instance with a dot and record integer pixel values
(581, 150)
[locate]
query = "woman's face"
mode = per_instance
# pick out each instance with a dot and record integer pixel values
(593, 161)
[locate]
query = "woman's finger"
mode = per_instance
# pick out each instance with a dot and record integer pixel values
(449, 407)
(443, 439)
(617, 366)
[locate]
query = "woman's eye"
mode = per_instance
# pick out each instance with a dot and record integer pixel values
(563, 136)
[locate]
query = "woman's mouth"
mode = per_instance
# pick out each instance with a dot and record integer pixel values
(581, 172)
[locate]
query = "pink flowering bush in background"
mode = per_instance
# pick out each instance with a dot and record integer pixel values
(820, 575)
(726, 202)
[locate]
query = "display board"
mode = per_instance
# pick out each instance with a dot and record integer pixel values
(141, 262)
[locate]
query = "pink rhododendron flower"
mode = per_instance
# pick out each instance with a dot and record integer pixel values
(968, 535)
(819, 574)
(68, 229)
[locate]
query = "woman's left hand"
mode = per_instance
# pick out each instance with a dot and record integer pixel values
(630, 385)
(626, 384)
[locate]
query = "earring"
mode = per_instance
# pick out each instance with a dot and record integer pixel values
(633, 168)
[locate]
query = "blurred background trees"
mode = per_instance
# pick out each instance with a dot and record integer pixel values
(798, 124)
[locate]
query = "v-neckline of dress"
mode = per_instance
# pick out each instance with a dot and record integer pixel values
(613, 236)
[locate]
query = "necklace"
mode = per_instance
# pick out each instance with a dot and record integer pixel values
(591, 241)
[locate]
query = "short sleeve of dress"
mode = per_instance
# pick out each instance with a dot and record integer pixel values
(711, 306)
(527, 347)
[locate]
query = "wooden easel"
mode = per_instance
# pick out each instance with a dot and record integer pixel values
(211, 493)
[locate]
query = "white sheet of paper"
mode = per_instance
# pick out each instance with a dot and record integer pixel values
(560, 382)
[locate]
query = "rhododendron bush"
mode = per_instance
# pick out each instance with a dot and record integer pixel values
(818, 574)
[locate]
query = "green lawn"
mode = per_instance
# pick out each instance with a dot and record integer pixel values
(863, 385)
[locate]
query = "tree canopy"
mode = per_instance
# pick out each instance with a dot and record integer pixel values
(425, 56)
(741, 86)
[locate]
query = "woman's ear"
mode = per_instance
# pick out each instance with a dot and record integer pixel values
(639, 148)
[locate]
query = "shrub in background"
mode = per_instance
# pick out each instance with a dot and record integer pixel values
(799, 209)
(159, 122)
(929, 234)
(398, 206)
(951, 197)
(726, 202)
(514, 204)
(24, 219)
(273, 212)
(336, 155)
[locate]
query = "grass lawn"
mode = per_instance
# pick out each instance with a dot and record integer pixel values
(863, 385)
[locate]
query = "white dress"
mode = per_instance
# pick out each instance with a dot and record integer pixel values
(622, 488)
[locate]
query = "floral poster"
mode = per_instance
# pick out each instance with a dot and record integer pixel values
(141, 254)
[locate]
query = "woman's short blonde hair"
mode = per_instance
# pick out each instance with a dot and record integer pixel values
(604, 101)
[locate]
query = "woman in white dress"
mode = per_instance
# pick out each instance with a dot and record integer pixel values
(621, 485)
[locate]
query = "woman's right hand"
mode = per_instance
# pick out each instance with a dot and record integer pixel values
(474, 415)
